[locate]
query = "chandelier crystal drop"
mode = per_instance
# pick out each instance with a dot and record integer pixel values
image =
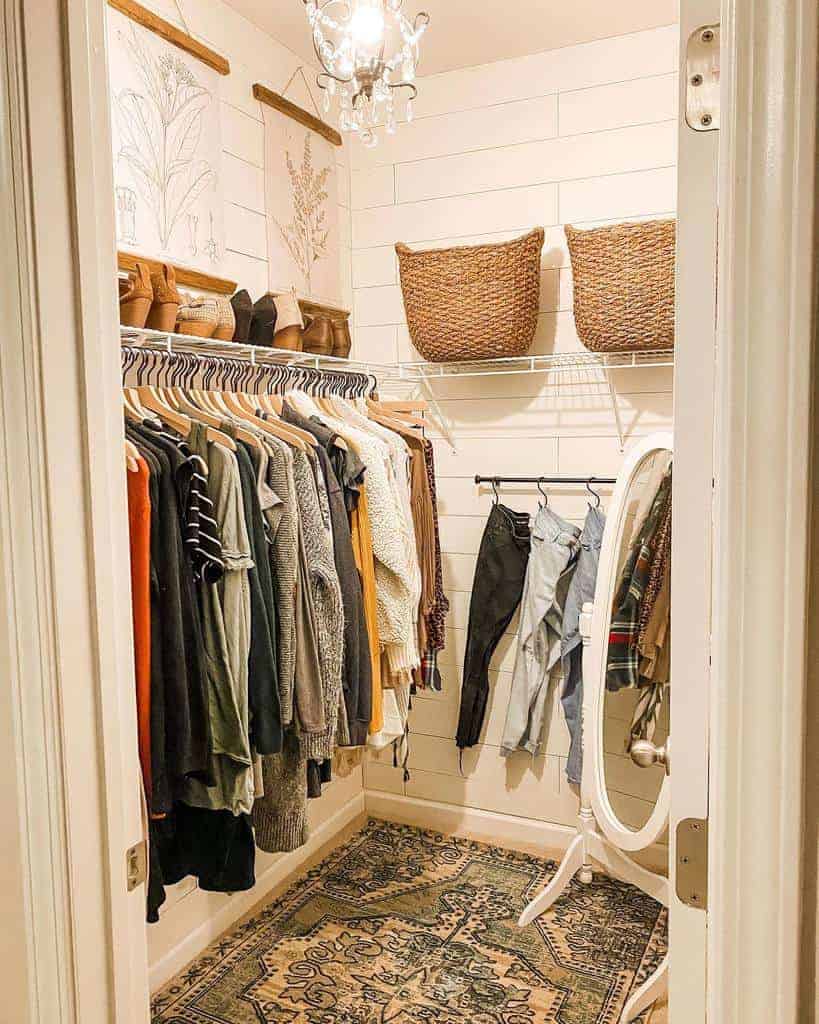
(368, 50)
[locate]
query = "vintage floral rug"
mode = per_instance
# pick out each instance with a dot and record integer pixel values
(413, 927)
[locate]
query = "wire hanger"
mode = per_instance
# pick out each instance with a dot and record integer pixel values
(545, 501)
(593, 492)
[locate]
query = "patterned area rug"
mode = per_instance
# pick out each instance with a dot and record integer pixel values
(414, 927)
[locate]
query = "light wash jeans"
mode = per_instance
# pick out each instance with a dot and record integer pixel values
(581, 589)
(554, 548)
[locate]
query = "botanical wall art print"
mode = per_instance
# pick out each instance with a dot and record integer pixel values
(301, 196)
(167, 148)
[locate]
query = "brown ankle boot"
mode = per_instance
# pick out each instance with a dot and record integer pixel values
(162, 316)
(342, 341)
(317, 337)
(135, 297)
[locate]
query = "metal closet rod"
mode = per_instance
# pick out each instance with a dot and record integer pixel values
(545, 479)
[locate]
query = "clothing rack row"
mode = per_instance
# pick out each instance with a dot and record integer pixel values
(157, 367)
(497, 480)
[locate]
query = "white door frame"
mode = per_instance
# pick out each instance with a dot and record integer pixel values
(71, 807)
(693, 495)
(763, 443)
(66, 697)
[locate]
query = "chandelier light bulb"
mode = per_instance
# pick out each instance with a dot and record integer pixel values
(367, 24)
(369, 52)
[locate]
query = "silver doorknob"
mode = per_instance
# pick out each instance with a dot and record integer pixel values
(645, 754)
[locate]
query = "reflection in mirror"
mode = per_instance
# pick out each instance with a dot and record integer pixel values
(635, 662)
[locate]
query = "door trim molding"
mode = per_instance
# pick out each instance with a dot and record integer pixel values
(65, 617)
(763, 432)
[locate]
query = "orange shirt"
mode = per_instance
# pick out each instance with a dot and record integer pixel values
(139, 524)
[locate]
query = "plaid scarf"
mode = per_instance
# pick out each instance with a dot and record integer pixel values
(623, 663)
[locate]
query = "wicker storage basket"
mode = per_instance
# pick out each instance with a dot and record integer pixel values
(624, 286)
(472, 302)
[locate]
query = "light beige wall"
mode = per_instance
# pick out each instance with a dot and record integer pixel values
(581, 135)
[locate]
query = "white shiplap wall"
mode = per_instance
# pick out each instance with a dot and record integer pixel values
(581, 135)
(254, 57)
(185, 926)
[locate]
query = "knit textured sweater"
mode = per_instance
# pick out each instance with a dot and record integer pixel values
(393, 573)
(326, 593)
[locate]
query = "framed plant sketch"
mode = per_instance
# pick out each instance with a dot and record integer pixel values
(167, 144)
(301, 197)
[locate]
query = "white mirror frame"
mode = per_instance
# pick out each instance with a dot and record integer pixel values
(594, 672)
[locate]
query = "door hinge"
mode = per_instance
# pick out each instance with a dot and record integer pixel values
(702, 79)
(692, 862)
(136, 865)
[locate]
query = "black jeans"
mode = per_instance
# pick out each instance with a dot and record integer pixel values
(496, 593)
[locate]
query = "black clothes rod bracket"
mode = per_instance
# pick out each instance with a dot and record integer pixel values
(545, 480)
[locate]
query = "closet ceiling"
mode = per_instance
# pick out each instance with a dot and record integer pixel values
(468, 32)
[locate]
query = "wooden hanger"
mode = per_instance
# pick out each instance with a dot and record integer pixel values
(303, 436)
(305, 404)
(180, 423)
(377, 412)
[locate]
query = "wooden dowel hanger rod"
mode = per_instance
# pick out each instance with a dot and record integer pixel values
(171, 34)
(290, 109)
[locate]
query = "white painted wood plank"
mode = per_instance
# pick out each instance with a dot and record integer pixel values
(372, 187)
(600, 108)
(375, 344)
(504, 124)
(243, 183)
(517, 210)
(639, 54)
(571, 416)
(378, 306)
(383, 777)
(461, 533)
(619, 196)
(245, 231)
(495, 457)
(248, 272)
(505, 785)
(562, 159)
(374, 267)
(242, 135)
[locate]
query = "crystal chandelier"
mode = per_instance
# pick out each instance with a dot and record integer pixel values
(368, 51)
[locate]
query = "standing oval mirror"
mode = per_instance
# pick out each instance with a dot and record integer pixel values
(626, 701)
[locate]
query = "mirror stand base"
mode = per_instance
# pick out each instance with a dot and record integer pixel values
(587, 846)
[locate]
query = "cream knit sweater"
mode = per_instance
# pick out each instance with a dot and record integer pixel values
(403, 660)
(393, 571)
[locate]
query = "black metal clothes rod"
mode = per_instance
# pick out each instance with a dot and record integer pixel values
(545, 480)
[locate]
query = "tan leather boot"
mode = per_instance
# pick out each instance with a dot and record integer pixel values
(135, 297)
(162, 316)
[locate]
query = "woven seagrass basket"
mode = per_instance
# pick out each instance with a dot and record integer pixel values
(624, 286)
(472, 301)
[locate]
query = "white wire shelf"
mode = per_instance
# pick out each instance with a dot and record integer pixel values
(419, 374)
(258, 355)
(568, 362)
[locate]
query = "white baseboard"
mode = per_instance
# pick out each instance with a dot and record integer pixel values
(232, 910)
(541, 838)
